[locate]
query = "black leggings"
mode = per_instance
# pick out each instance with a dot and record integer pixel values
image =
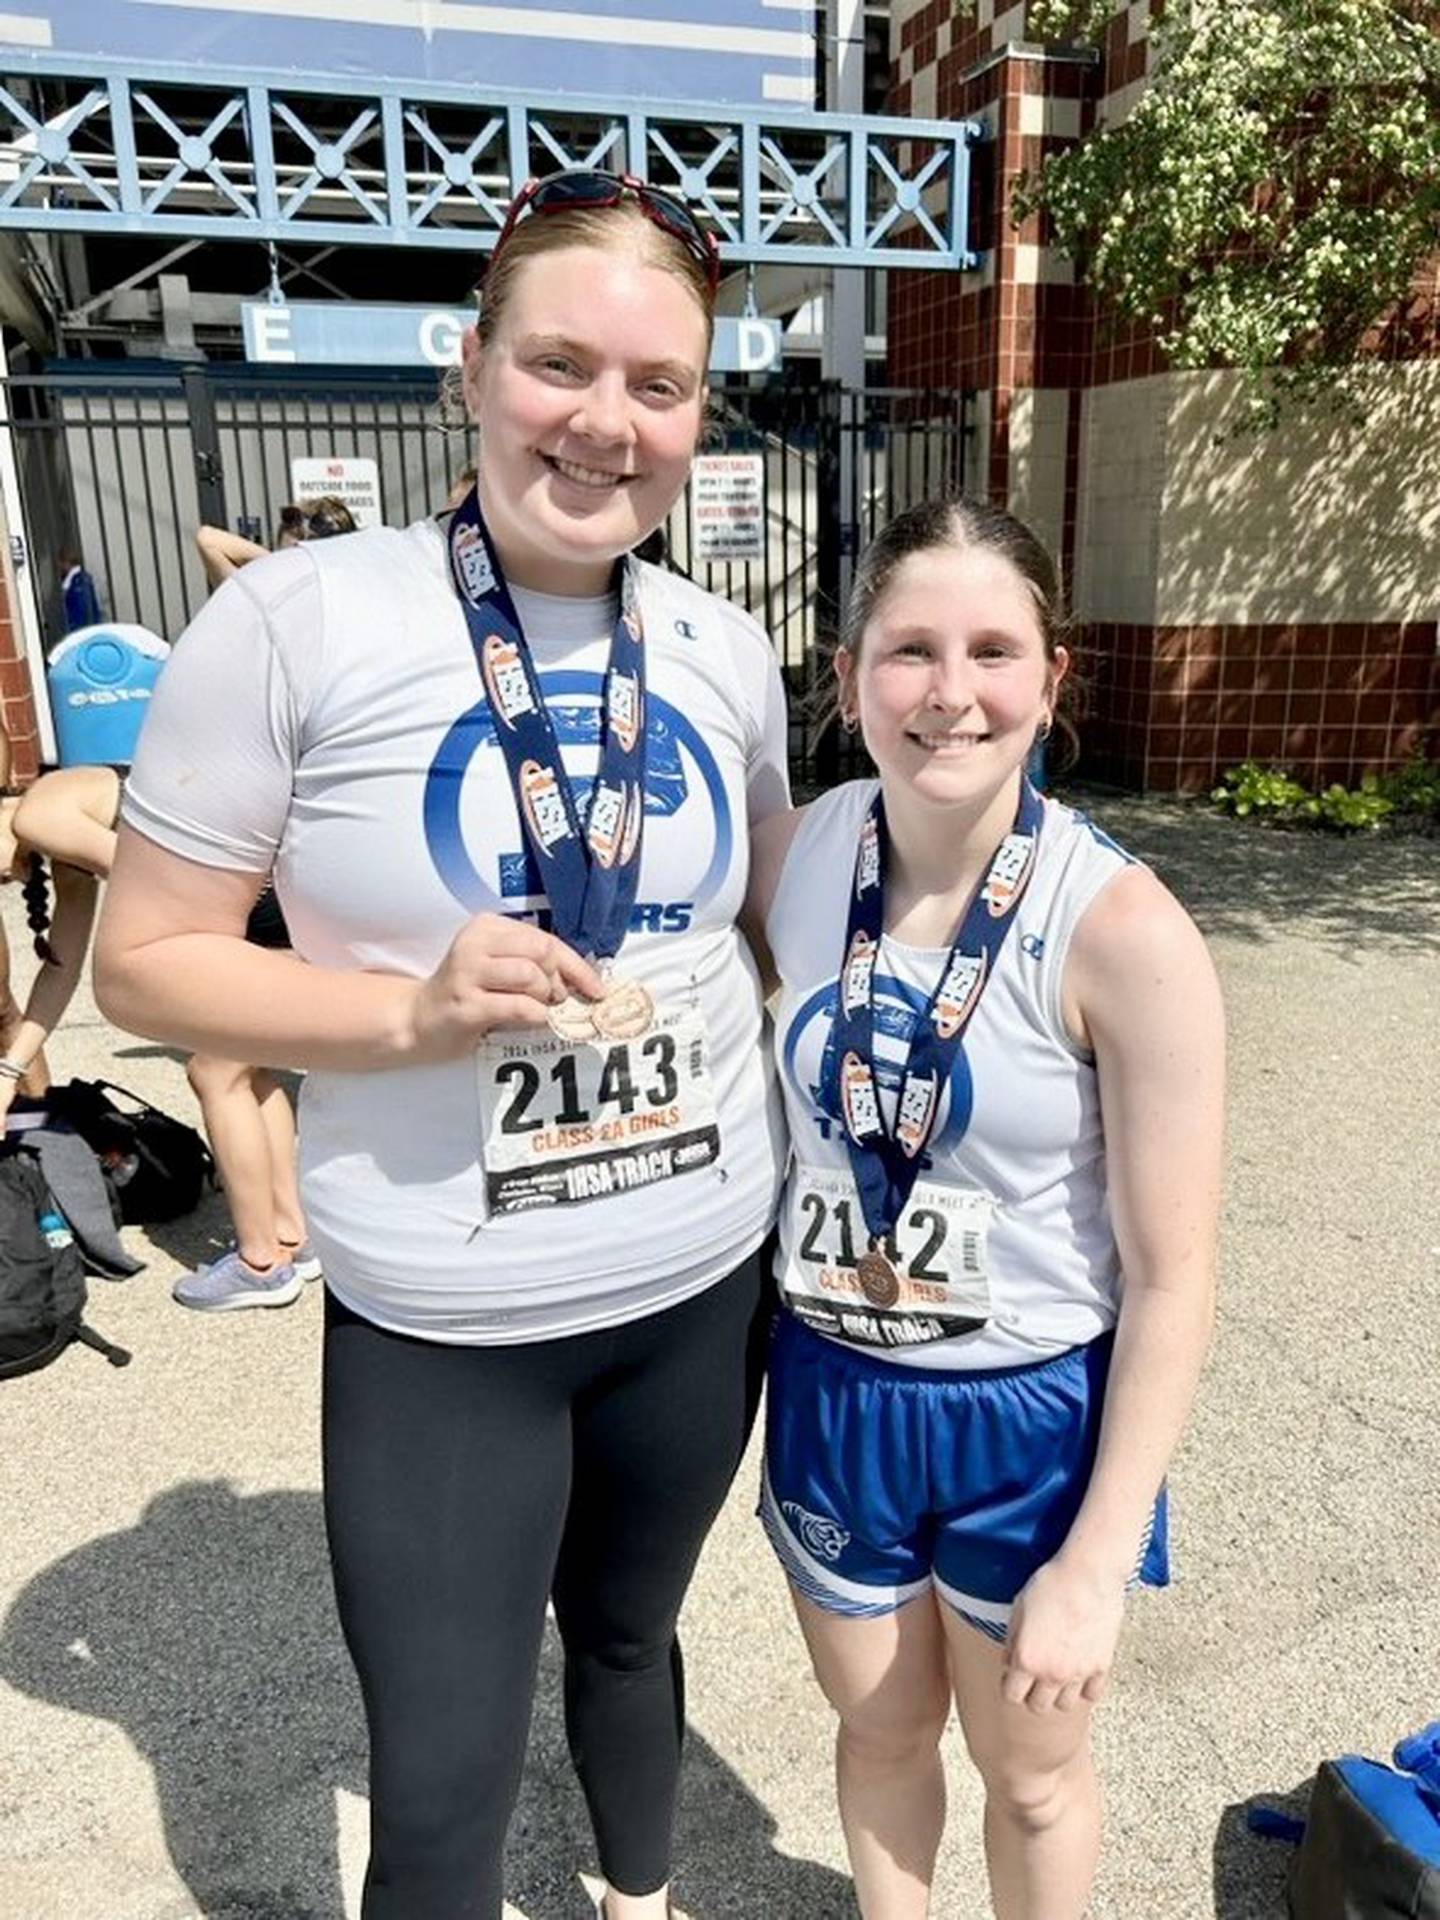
(463, 1486)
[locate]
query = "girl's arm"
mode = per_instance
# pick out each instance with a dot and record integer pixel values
(55, 983)
(769, 843)
(171, 962)
(70, 817)
(1140, 987)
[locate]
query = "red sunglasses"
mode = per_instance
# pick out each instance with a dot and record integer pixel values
(584, 187)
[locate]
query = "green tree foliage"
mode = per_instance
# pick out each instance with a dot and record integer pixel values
(1269, 201)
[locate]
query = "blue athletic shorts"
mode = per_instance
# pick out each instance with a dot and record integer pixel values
(882, 1480)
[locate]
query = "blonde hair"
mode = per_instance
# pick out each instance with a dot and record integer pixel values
(623, 227)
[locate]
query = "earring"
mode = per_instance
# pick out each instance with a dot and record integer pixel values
(849, 720)
(1044, 730)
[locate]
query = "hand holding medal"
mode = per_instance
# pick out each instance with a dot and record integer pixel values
(499, 973)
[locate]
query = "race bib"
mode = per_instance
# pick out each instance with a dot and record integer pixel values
(569, 1122)
(926, 1281)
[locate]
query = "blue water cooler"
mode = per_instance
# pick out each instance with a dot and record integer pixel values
(101, 679)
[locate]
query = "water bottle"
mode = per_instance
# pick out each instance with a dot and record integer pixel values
(55, 1228)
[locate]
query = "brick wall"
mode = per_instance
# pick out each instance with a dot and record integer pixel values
(1272, 598)
(17, 705)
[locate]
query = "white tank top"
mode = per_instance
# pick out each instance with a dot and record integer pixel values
(1018, 1133)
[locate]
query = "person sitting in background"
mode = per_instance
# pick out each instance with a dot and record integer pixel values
(68, 817)
(222, 553)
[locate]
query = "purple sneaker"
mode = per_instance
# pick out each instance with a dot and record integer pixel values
(232, 1282)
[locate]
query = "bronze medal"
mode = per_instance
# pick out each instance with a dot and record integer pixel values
(574, 1019)
(878, 1279)
(625, 1012)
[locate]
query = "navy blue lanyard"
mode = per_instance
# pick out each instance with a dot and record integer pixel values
(591, 872)
(886, 1161)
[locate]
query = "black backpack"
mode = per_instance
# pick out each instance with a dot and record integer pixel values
(42, 1286)
(158, 1165)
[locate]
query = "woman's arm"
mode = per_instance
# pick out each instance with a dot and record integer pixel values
(171, 962)
(1139, 984)
(55, 983)
(70, 817)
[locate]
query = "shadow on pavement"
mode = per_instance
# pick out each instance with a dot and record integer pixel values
(1250, 1869)
(1252, 882)
(207, 1632)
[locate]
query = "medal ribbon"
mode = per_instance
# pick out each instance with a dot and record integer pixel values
(886, 1162)
(591, 871)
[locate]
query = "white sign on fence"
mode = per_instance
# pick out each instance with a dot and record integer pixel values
(728, 506)
(355, 480)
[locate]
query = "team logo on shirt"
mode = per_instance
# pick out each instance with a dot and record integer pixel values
(489, 865)
(608, 811)
(543, 804)
(857, 1098)
(623, 705)
(1009, 872)
(858, 972)
(473, 563)
(959, 990)
(506, 681)
(867, 867)
(917, 1111)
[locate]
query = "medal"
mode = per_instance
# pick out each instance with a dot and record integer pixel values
(878, 1279)
(573, 1019)
(625, 1012)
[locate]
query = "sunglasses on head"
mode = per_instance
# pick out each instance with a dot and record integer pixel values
(580, 188)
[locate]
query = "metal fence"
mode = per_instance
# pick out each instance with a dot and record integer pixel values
(121, 467)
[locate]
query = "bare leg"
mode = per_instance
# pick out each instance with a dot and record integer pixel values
(888, 1681)
(36, 1080)
(241, 1145)
(1042, 1799)
(279, 1120)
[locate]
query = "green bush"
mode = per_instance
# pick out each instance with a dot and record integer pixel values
(1408, 797)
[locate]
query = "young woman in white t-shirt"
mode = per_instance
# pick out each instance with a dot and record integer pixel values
(1000, 1043)
(538, 1172)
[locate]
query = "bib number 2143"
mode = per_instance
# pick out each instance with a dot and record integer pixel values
(572, 1122)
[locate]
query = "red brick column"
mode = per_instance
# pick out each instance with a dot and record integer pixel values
(17, 700)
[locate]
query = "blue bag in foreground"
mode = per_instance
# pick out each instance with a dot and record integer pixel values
(1372, 1838)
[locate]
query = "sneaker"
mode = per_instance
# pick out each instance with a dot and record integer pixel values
(232, 1282)
(305, 1260)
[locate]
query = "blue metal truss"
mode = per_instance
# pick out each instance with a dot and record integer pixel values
(217, 153)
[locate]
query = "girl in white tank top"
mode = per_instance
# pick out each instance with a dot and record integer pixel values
(1000, 1044)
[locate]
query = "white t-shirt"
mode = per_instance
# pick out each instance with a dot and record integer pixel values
(1019, 1139)
(324, 715)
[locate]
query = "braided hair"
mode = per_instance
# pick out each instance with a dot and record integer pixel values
(36, 892)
